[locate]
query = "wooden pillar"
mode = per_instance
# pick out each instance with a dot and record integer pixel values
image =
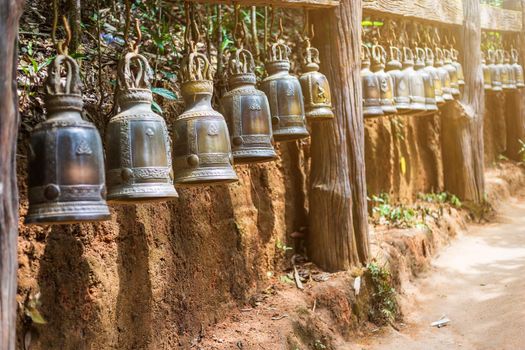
(338, 227)
(462, 122)
(10, 11)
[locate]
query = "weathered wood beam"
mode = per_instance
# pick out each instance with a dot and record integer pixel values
(277, 3)
(10, 11)
(338, 220)
(497, 19)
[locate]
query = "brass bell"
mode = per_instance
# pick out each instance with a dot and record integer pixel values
(443, 75)
(428, 81)
(138, 150)
(453, 73)
(401, 92)
(430, 69)
(518, 69)
(201, 142)
(416, 85)
(370, 86)
(386, 83)
(247, 112)
(510, 69)
(487, 79)
(315, 87)
(284, 95)
(66, 159)
(503, 70)
(459, 67)
(495, 73)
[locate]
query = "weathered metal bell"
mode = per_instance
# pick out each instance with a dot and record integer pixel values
(510, 69)
(503, 70)
(400, 88)
(428, 81)
(386, 83)
(66, 159)
(416, 85)
(370, 86)
(138, 150)
(443, 75)
(518, 69)
(284, 95)
(315, 87)
(495, 73)
(453, 73)
(459, 67)
(430, 69)
(487, 79)
(201, 142)
(247, 112)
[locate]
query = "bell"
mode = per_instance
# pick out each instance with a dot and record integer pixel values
(487, 79)
(201, 142)
(459, 67)
(138, 150)
(400, 91)
(428, 81)
(495, 73)
(370, 86)
(247, 112)
(386, 84)
(518, 69)
(453, 73)
(503, 70)
(315, 87)
(510, 69)
(416, 85)
(66, 160)
(285, 96)
(443, 75)
(430, 69)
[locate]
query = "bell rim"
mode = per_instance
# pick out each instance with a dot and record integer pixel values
(99, 212)
(290, 134)
(243, 160)
(163, 192)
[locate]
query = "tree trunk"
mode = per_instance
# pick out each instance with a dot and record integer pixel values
(75, 18)
(10, 11)
(338, 231)
(462, 123)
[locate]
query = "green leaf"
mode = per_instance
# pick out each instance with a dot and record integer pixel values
(35, 316)
(167, 94)
(156, 107)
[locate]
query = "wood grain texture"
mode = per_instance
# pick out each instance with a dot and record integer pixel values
(338, 226)
(497, 19)
(10, 11)
(462, 121)
(277, 3)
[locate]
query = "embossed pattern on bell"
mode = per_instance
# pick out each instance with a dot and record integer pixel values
(428, 81)
(399, 80)
(247, 112)
(386, 83)
(416, 85)
(430, 69)
(370, 86)
(453, 73)
(201, 141)
(285, 96)
(138, 148)
(443, 75)
(66, 161)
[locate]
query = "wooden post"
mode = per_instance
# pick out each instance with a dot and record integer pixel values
(462, 123)
(10, 11)
(338, 229)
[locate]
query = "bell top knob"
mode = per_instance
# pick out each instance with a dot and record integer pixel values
(378, 57)
(134, 74)
(310, 59)
(408, 57)
(278, 58)
(63, 93)
(395, 59)
(420, 58)
(365, 56)
(429, 56)
(197, 75)
(241, 68)
(439, 57)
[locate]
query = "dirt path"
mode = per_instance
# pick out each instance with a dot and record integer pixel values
(479, 283)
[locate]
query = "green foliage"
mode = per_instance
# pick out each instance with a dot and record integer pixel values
(282, 246)
(397, 215)
(384, 304)
(495, 3)
(319, 345)
(440, 198)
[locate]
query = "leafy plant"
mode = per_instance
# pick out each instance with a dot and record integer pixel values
(385, 213)
(384, 304)
(440, 198)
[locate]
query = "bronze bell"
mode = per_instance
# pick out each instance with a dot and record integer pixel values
(430, 69)
(453, 73)
(284, 95)
(416, 85)
(495, 73)
(386, 83)
(370, 86)
(518, 69)
(247, 112)
(428, 81)
(138, 149)
(201, 142)
(503, 70)
(400, 88)
(510, 69)
(443, 75)
(66, 160)
(459, 67)
(315, 87)
(487, 79)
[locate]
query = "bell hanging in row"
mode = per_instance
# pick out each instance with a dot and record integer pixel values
(399, 80)
(284, 95)
(487, 79)
(247, 112)
(495, 75)
(518, 69)
(443, 74)
(503, 71)
(370, 85)
(386, 83)
(201, 141)
(452, 72)
(138, 148)
(315, 87)
(428, 81)
(510, 69)
(416, 84)
(433, 72)
(66, 159)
